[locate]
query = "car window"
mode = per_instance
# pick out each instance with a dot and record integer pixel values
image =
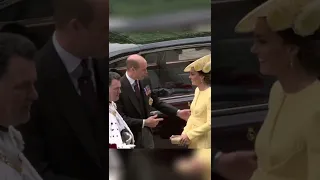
(168, 79)
(236, 80)
(120, 63)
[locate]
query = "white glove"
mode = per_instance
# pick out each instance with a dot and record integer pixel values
(129, 140)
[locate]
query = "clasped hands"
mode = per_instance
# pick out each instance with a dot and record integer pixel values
(183, 139)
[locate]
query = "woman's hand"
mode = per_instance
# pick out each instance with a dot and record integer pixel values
(184, 114)
(184, 140)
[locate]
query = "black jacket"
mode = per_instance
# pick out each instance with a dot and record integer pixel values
(60, 140)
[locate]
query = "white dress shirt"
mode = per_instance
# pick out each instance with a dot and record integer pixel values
(13, 164)
(131, 81)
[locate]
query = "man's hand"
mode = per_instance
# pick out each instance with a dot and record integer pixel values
(238, 165)
(184, 114)
(152, 121)
(184, 140)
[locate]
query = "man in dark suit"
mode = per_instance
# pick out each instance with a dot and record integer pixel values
(136, 100)
(65, 138)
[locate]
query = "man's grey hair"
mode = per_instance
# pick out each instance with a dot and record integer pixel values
(112, 76)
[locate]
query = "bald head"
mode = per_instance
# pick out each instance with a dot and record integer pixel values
(137, 67)
(135, 61)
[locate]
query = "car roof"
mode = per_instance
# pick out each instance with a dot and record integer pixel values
(117, 46)
(144, 47)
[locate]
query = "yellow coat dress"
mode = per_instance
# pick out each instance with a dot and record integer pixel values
(204, 155)
(288, 145)
(198, 128)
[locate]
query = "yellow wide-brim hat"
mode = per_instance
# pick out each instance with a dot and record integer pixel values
(300, 15)
(203, 64)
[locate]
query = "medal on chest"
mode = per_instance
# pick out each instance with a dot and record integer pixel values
(150, 101)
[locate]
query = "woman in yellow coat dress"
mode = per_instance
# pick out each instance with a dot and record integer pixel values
(286, 42)
(197, 133)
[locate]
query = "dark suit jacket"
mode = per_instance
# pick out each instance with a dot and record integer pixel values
(134, 113)
(60, 140)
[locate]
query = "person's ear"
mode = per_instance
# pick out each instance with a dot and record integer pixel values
(76, 25)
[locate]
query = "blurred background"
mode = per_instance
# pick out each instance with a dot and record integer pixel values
(140, 164)
(156, 15)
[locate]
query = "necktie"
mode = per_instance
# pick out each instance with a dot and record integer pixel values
(138, 94)
(137, 89)
(86, 86)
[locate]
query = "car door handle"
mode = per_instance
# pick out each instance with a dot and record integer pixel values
(251, 134)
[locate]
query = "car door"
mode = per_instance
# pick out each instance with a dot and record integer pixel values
(239, 94)
(236, 72)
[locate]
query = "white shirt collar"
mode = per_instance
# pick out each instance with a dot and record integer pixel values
(70, 61)
(113, 104)
(130, 79)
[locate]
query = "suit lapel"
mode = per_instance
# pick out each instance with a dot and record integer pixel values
(72, 108)
(132, 96)
(101, 86)
(101, 79)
